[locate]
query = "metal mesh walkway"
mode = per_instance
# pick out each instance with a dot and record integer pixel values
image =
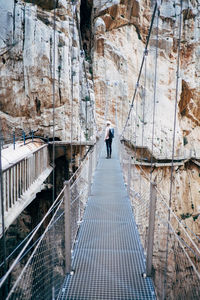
(108, 258)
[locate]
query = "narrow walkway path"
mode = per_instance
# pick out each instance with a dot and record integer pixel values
(108, 259)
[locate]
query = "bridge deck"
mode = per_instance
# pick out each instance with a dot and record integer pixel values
(108, 258)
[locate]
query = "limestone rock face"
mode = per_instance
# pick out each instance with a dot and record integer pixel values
(41, 70)
(118, 50)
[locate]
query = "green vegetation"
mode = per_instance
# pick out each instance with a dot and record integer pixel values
(185, 141)
(185, 216)
(195, 217)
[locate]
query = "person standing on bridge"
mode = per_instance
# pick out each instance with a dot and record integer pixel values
(109, 135)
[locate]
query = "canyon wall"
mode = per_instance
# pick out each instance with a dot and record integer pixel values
(43, 83)
(42, 67)
(120, 33)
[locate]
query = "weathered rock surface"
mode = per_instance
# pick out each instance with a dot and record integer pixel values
(120, 33)
(33, 55)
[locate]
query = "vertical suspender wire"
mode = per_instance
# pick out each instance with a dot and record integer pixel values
(4, 289)
(144, 102)
(53, 87)
(72, 86)
(143, 112)
(81, 50)
(173, 148)
(136, 122)
(131, 117)
(154, 96)
(135, 103)
(84, 67)
(129, 130)
(54, 72)
(105, 95)
(141, 67)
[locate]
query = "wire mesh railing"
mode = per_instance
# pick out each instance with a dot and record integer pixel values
(170, 246)
(41, 266)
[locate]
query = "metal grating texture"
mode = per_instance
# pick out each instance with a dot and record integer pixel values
(108, 259)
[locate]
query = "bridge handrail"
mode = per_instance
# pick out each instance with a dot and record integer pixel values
(76, 203)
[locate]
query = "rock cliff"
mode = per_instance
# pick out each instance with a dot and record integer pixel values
(42, 70)
(120, 32)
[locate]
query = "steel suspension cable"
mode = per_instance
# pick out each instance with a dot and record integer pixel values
(143, 114)
(154, 95)
(26, 238)
(5, 291)
(80, 43)
(3, 279)
(173, 146)
(141, 67)
(84, 66)
(53, 83)
(144, 101)
(32, 254)
(53, 87)
(72, 82)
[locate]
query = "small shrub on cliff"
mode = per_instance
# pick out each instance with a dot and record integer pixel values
(185, 141)
(185, 216)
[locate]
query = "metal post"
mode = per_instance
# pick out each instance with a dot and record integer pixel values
(95, 155)
(129, 176)
(152, 210)
(24, 137)
(67, 200)
(32, 135)
(4, 291)
(90, 174)
(120, 152)
(14, 139)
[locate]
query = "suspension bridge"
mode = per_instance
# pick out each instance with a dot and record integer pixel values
(94, 247)
(112, 232)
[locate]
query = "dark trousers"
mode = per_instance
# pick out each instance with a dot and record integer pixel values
(109, 147)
